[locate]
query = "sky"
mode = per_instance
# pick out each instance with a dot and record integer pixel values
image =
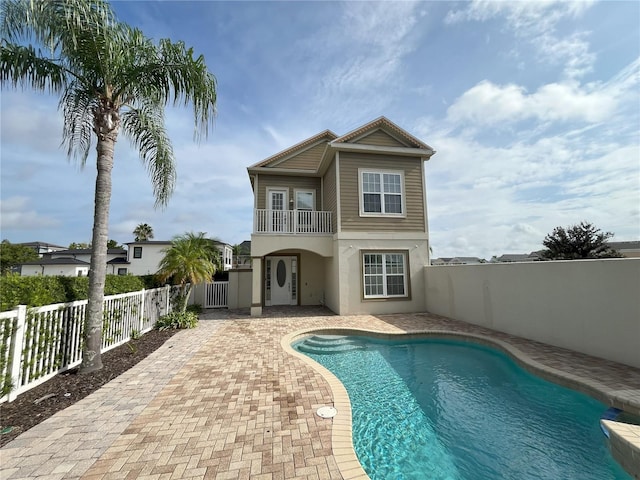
(533, 109)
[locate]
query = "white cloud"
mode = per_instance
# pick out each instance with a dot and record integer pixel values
(364, 52)
(490, 104)
(536, 23)
(17, 213)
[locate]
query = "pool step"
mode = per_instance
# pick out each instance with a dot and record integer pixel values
(325, 344)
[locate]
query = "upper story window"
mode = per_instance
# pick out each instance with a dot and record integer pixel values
(381, 193)
(137, 252)
(304, 199)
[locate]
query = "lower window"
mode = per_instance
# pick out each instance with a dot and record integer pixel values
(384, 274)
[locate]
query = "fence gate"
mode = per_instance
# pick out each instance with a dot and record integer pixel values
(216, 295)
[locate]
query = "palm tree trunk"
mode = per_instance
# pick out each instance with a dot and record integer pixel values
(186, 293)
(91, 358)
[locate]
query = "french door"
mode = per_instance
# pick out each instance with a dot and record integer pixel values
(278, 200)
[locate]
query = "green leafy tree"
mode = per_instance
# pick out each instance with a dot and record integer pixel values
(113, 244)
(578, 241)
(110, 79)
(189, 260)
(143, 232)
(79, 245)
(12, 255)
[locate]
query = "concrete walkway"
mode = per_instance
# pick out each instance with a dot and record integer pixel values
(226, 401)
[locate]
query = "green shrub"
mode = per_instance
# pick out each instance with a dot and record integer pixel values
(176, 320)
(76, 288)
(31, 291)
(44, 290)
(151, 281)
(195, 308)
(122, 284)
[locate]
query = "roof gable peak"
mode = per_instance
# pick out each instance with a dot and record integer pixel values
(326, 135)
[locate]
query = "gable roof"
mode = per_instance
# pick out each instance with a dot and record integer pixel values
(383, 123)
(407, 144)
(325, 136)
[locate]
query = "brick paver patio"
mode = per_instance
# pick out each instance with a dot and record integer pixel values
(226, 401)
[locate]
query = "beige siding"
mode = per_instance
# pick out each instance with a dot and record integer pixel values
(291, 183)
(306, 160)
(380, 138)
(330, 195)
(350, 191)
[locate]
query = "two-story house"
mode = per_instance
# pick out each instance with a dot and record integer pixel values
(342, 221)
(143, 258)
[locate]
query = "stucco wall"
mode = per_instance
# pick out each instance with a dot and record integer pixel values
(350, 281)
(152, 254)
(311, 283)
(589, 306)
(240, 288)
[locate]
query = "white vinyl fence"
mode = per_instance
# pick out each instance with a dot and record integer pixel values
(37, 343)
(216, 295)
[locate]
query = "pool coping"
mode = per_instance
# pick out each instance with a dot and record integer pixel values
(624, 439)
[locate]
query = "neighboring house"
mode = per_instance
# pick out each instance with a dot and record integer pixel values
(66, 262)
(242, 259)
(42, 248)
(342, 221)
(457, 261)
(519, 257)
(627, 249)
(144, 257)
(226, 254)
(64, 266)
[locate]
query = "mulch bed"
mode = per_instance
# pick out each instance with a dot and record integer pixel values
(65, 389)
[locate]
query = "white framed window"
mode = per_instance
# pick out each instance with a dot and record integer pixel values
(381, 193)
(385, 274)
(305, 204)
(305, 200)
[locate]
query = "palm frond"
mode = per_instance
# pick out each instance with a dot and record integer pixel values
(144, 127)
(169, 73)
(77, 104)
(187, 260)
(27, 67)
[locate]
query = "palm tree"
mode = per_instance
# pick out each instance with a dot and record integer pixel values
(110, 78)
(143, 232)
(189, 260)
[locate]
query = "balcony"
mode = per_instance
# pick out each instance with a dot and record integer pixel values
(291, 222)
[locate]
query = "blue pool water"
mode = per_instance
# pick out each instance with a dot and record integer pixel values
(440, 409)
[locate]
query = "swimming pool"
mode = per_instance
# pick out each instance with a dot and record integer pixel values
(443, 409)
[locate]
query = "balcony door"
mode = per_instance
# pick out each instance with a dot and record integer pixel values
(278, 201)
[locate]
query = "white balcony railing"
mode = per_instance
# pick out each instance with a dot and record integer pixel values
(285, 222)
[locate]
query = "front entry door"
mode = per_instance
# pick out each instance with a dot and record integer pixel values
(281, 281)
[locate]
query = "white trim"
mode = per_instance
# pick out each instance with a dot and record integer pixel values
(338, 198)
(424, 154)
(382, 172)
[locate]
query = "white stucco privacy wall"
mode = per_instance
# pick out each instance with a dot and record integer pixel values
(589, 306)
